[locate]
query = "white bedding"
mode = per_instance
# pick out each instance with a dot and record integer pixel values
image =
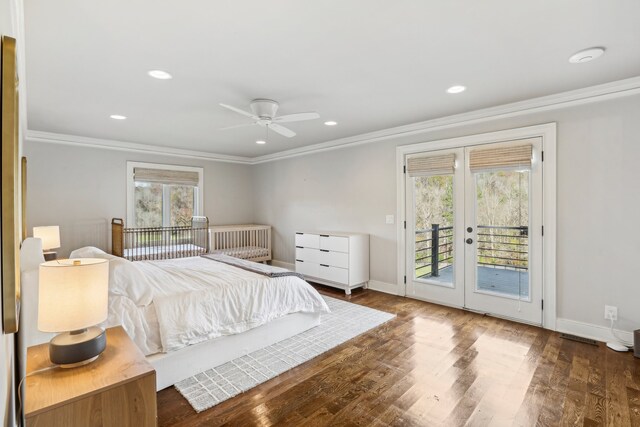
(196, 299)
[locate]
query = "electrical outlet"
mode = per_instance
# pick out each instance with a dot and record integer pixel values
(610, 312)
(389, 219)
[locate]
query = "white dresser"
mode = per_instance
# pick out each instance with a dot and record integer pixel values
(335, 259)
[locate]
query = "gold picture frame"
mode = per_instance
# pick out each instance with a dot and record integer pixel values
(10, 189)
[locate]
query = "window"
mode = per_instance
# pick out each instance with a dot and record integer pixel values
(162, 195)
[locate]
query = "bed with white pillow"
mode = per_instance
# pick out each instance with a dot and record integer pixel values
(190, 314)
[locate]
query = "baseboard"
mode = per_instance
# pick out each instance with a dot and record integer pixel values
(376, 285)
(387, 288)
(283, 264)
(588, 330)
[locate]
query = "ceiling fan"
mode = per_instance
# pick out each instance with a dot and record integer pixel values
(264, 114)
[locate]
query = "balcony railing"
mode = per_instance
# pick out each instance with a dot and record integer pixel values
(434, 250)
(497, 247)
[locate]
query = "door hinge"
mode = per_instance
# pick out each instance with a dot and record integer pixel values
(405, 225)
(542, 155)
(405, 280)
(543, 230)
(542, 304)
(404, 169)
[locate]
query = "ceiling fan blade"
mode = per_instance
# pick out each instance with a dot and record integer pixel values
(239, 111)
(281, 130)
(297, 117)
(237, 126)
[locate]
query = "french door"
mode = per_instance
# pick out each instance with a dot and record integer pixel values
(474, 228)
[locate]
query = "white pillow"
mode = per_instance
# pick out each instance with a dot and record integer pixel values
(125, 279)
(91, 252)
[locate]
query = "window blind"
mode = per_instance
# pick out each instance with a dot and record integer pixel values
(502, 157)
(431, 165)
(166, 176)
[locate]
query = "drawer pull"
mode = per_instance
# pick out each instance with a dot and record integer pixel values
(324, 235)
(299, 260)
(324, 265)
(324, 250)
(300, 247)
(299, 233)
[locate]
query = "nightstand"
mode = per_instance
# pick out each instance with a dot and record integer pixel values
(117, 389)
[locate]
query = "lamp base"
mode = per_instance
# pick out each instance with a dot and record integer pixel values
(50, 255)
(76, 348)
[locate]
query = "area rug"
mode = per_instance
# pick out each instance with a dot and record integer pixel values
(216, 385)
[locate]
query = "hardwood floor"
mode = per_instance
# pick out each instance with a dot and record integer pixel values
(434, 365)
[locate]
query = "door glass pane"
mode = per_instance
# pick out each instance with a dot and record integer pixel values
(182, 201)
(433, 200)
(502, 221)
(148, 204)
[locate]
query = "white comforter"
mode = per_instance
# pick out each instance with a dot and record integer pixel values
(197, 299)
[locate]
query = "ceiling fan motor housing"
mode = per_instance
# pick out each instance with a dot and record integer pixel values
(264, 108)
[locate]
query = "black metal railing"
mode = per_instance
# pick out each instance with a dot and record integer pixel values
(434, 250)
(497, 247)
(505, 247)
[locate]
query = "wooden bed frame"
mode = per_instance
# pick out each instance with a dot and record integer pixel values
(154, 243)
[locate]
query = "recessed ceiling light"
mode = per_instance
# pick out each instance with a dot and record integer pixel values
(159, 74)
(330, 123)
(586, 55)
(118, 117)
(456, 89)
(261, 142)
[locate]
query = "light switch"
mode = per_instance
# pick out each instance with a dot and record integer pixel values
(390, 219)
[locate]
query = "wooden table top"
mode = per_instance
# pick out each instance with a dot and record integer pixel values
(120, 362)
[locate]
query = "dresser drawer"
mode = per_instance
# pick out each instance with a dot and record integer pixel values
(310, 269)
(334, 259)
(335, 274)
(307, 240)
(309, 255)
(334, 243)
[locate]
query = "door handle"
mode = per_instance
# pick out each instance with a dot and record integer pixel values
(469, 241)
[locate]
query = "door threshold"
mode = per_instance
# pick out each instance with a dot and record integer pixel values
(497, 316)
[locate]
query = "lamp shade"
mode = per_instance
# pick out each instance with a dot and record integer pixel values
(73, 294)
(50, 236)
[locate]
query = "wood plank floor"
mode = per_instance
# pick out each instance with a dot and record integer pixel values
(434, 365)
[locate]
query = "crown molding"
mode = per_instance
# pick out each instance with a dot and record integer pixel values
(107, 144)
(603, 92)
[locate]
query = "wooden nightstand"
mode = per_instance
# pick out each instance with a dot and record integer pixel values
(117, 389)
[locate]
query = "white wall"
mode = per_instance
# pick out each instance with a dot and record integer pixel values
(352, 189)
(81, 189)
(10, 11)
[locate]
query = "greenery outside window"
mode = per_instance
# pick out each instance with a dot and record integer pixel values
(163, 195)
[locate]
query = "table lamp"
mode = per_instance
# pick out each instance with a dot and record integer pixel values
(50, 236)
(73, 298)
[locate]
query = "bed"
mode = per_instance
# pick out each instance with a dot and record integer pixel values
(191, 314)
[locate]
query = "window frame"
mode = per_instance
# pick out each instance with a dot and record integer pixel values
(199, 202)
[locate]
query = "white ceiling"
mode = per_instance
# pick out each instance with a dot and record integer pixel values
(368, 64)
